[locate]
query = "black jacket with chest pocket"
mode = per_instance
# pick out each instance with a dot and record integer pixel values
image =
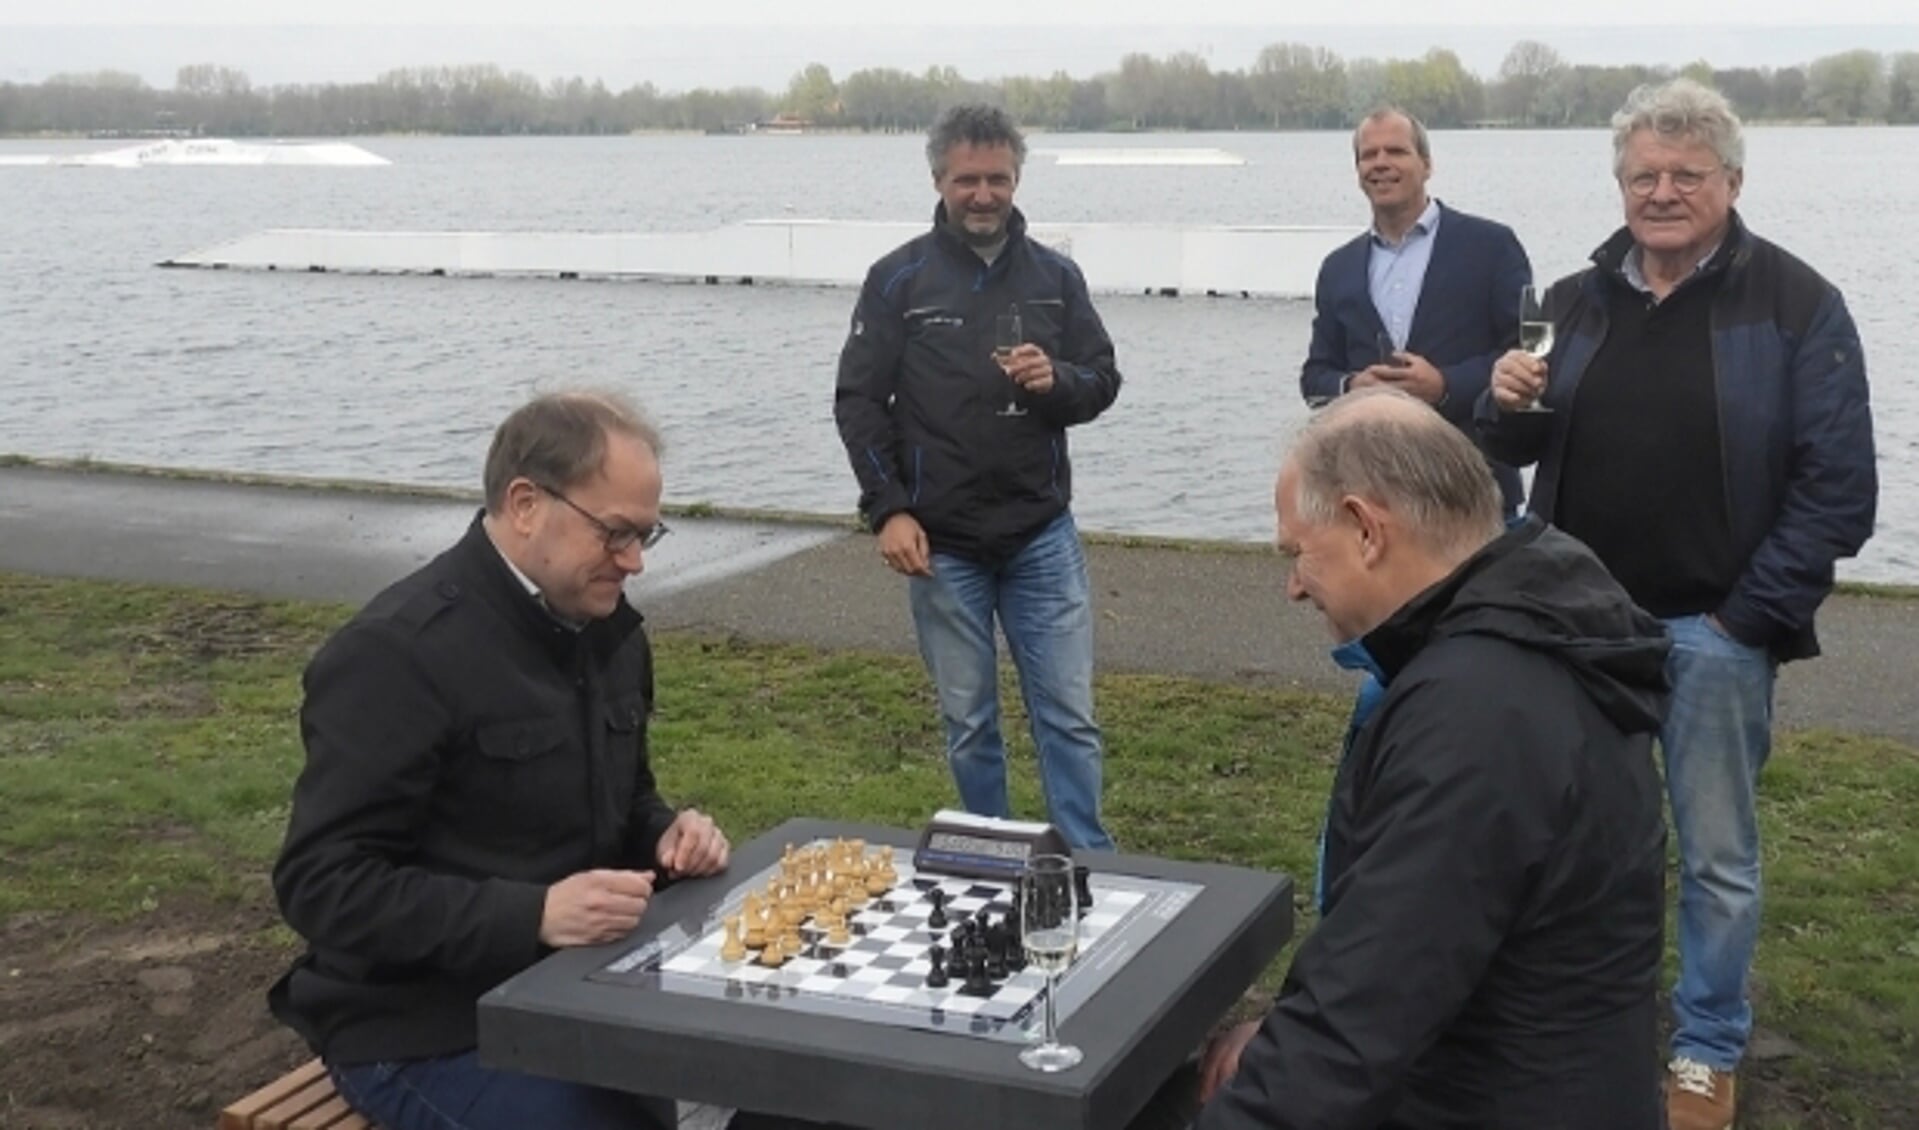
(920, 397)
(1494, 871)
(465, 750)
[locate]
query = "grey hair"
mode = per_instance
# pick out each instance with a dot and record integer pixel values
(973, 123)
(1680, 110)
(1421, 143)
(1383, 445)
(558, 439)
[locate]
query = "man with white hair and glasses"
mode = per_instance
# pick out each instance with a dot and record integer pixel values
(1709, 436)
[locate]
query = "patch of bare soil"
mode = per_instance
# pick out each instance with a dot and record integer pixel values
(154, 1025)
(219, 629)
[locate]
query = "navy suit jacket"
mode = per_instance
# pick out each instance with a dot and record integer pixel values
(1468, 314)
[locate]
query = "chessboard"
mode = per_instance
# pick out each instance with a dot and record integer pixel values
(903, 947)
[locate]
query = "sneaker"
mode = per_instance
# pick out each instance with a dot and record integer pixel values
(1697, 1097)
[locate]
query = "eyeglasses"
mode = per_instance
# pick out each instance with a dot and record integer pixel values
(617, 539)
(1684, 181)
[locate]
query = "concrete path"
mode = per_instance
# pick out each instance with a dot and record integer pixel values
(1216, 614)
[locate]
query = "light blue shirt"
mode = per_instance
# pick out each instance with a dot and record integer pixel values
(1396, 272)
(1634, 268)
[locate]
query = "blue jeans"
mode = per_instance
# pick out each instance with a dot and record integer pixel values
(456, 1093)
(1717, 735)
(1043, 603)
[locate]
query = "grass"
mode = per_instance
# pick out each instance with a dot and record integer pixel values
(148, 739)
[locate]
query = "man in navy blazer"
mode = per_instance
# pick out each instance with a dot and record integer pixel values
(1425, 300)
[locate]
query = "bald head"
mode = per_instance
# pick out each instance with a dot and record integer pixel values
(1394, 451)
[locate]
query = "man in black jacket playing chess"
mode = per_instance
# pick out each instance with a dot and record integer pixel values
(478, 788)
(1491, 883)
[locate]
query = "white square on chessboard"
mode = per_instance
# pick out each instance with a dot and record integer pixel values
(872, 975)
(888, 934)
(804, 966)
(905, 949)
(962, 1004)
(751, 974)
(688, 962)
(820, 984)
(892, 994)
(1096, 923)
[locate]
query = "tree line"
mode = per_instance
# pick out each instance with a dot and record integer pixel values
(1289, 86)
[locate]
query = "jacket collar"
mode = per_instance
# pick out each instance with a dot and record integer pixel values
(1394, 644)
(1015, 231)
(1733, 253)
(480, 567)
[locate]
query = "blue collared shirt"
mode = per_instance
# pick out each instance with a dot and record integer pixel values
(1634, 268)
(1396, 272)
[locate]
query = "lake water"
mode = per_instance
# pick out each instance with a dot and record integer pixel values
(402, 379)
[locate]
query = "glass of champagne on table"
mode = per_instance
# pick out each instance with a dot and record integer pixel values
(1049, 933)
(1008, 335)
(1535, 334)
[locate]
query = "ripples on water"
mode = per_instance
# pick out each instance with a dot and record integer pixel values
(403, 378)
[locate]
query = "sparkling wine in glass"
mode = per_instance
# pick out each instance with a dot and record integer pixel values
(1535, 333)
(1008, 335)
(1049, 933)
(1388, 351)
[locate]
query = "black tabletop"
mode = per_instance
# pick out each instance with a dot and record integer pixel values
(1143, 1022)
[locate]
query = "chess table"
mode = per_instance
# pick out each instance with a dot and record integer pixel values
(852, 1034)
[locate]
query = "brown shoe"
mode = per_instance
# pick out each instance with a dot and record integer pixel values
(1697, 1097)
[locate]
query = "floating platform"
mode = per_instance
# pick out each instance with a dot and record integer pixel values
(1185, 155)
(1169, 259)
(209, 151)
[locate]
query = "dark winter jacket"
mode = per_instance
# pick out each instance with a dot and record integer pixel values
(465, 750)
(1494, 871)
(920, 396)
(1795, 423)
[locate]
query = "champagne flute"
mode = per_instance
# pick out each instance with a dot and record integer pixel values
(1535, 334)
(1049, 932)
(1008, 335)
(1388, 351)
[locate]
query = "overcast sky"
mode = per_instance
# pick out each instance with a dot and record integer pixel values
(1518, 13)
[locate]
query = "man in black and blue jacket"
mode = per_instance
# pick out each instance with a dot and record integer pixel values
(972, 349)
(1709, 436)
(1491, 884)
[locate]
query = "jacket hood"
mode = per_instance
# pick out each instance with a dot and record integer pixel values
(1542, 589)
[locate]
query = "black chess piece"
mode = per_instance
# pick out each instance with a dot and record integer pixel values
(937, 919)
(996, 938)
(936, 976)
(1082, 890)
(977, 983)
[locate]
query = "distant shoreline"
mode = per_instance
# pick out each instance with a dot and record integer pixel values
(1479, 127)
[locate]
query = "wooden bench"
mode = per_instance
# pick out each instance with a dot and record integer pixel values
(302, 1099)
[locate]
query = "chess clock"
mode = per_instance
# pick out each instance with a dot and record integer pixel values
(960, 843)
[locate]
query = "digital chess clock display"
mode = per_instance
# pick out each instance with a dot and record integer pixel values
(960, 843)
